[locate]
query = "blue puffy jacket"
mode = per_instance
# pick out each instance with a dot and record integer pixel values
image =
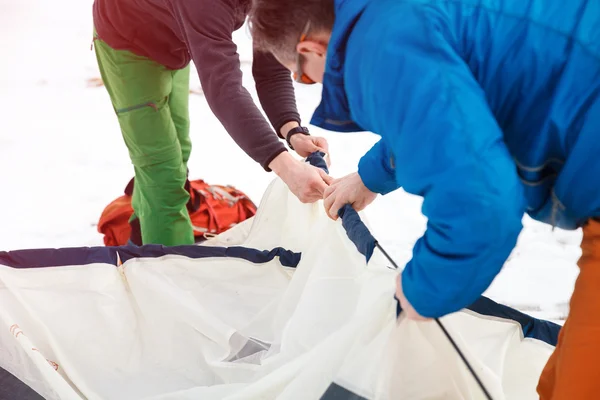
(486, 108)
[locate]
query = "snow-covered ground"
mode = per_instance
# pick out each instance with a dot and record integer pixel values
(62, 159)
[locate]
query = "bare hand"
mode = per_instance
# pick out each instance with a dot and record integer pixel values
(306, 145)
(407, 308)
(347, 190)
(308, 183)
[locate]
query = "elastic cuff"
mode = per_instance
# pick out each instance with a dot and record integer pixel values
(266, 163)
(376, 181)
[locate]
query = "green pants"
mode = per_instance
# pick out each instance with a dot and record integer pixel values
(151, 104)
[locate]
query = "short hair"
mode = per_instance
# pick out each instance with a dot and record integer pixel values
(276, 25)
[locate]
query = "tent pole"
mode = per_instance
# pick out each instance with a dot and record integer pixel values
(460, 353)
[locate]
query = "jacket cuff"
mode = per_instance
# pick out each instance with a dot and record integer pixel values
(268, 160)
(375, 176)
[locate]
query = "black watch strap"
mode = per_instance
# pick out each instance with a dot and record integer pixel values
(299, 129)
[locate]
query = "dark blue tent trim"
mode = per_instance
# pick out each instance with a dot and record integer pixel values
(545, 331)
(39, 258)
(337, 392)
(317, 159)
(12, 388)
(534, 328)
(357, 231)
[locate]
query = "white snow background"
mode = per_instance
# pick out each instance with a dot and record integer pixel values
(62, 158)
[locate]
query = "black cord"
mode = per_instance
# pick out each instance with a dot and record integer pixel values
(460, 353)
(386, 255)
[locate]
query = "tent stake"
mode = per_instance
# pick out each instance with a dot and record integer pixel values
(460, 353)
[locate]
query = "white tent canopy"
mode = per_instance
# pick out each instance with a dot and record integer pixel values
(282, 306)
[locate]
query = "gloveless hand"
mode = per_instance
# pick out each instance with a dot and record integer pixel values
(308, 183)
(306, 145)
(407, 308)
(347, 190)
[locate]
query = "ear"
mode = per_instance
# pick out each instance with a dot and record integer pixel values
(310, 46)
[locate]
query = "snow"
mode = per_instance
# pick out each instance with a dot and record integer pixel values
(63, 159)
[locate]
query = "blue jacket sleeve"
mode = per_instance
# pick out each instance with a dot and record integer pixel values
(419, 95)
(376, 169)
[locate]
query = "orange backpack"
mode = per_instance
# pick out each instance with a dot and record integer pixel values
(213, 209)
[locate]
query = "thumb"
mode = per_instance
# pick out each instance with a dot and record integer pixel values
(327, 159)
(306, 148)
(322, 144)
(328, 179)
(314, 147)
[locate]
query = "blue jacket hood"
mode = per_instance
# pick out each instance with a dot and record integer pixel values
(333, 113)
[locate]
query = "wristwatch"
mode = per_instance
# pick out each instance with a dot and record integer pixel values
(299, 129)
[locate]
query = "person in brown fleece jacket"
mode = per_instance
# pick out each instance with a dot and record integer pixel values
(144, 49)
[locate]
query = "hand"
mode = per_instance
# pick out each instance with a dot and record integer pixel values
(407, 308)
(308, 183)
(349, 189)
(306, 145)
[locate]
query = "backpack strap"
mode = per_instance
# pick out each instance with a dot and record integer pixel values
(217, 191)
(193, 204)
(129, 188)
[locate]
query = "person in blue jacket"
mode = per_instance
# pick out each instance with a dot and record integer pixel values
(488, 109)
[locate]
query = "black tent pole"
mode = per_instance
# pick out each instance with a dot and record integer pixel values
(460, 353)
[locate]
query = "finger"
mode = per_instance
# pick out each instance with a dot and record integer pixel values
(307, 150)
(336, 181)
(329, 200)
(303, 146)
(335, 208)
(314, 189)
(328, 179)
(322, 143)
(308, 144)
(323, 147)
(399, 292)
(415, 316)
(314, 148)
(330, 189)
(318, 185)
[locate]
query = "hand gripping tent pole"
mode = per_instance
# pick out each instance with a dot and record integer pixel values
(366, 243)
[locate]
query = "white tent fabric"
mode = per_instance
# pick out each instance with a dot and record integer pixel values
(175, 327)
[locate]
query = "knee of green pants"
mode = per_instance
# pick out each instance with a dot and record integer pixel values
(159, 197)
(159, 201)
